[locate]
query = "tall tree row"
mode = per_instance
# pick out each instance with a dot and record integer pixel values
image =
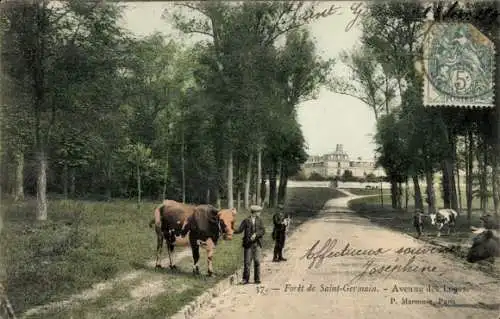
(254, 87)
(415, 142)
(90, 111)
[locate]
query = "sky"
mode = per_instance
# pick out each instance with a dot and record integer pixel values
(326, 121)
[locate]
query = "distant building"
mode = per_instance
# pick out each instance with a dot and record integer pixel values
(336, 163)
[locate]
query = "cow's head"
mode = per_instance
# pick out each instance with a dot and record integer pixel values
(228, 219)
(433, 217)
(485, 245)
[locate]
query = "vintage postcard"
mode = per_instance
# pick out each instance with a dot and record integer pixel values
(253, 159)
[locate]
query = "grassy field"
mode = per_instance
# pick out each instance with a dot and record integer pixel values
(89, 242)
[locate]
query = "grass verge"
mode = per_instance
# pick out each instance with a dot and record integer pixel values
(85, 243)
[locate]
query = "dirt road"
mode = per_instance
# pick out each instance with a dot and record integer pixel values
(342, 287)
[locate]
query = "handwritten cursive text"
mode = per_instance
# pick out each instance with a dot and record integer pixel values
(318, 256)
(371, 269)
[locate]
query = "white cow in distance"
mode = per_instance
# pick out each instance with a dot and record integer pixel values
(442, 217)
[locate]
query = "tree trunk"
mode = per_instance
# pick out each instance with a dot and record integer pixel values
(248, 180)
(109, 179)
(65, 180)
(230, 200)
(183, 169)
(264, 196)
(7, 310)
(445, 186)
(431, 195)
(272, 184)
(469, 173)
(1, 151)
(238, 198)
(218, 200)
(495, 166)
(394, 193)
(484, 179)
(459, 186)
(482, 173)
(406, 195)
(418, 193)
(381, 191)
(259, 175)
(72, 182)
(282, 184)
(450, 166)
(494, 186)
(138, 172)
(208, 196)
(165, 176)
(276, 188)
(41, 187)
(39, 103)
(19, 186)
(496, 149)
(2, 79)
(387, 111)
(400, 195)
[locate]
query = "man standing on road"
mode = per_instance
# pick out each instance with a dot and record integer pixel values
(279, 234)
(253, 230)
(418, 222)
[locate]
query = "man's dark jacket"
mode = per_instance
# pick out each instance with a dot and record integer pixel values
(246, 228)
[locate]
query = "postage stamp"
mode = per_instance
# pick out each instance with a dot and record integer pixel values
(459, 64)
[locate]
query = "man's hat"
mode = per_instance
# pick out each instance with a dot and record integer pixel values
(255, 208)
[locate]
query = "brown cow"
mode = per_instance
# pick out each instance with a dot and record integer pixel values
(205, 227)
(173, 221)
(169, 220)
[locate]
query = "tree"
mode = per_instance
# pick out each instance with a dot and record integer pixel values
(366, 81)
(140, 157)
(240, 34)
(393, 33)
(391, 142)
(301, 72)
(44, 42)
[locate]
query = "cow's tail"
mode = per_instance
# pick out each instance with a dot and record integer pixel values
(186, 227)
(157, 218)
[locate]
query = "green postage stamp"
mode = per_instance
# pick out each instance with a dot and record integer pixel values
(459, 64)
